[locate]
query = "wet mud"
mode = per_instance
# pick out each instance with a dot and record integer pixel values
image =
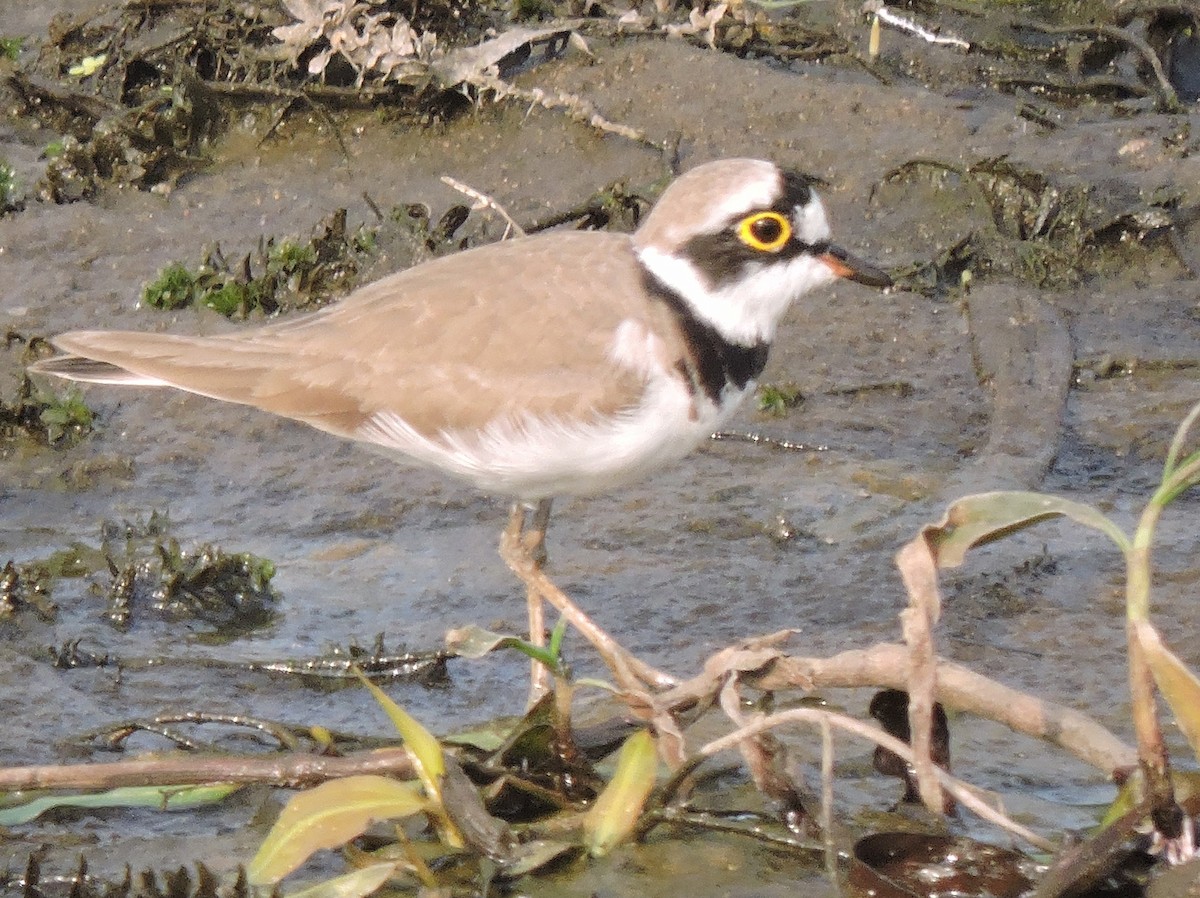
(1036, 375)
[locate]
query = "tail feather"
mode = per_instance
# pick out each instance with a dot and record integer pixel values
(85, 370)
(224, 368)
(218, 367)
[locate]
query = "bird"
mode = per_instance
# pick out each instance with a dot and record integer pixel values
(566, 363)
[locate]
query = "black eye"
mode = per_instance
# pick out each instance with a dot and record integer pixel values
(765, 231)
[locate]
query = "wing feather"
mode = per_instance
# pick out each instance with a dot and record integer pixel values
(440, 346)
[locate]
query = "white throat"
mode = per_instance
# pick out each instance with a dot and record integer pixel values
(745, 311)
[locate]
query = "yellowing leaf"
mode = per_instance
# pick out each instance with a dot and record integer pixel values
(984, 517)
(1178, 685)
(615, 813)
(426, 750)
(328, 816)
(89, 65)
(474, 642)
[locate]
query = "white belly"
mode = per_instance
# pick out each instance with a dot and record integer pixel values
(531, 458)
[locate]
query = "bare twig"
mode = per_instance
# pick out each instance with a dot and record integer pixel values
(883, 14)
(746, 436)
(918, 570)
(577, 108)
(484, 201)
(766, 758)
(1167, 95)
(765, 666)
(826, 818)
(292, 770)
(968, 796)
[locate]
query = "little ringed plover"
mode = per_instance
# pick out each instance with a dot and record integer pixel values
(560, 364)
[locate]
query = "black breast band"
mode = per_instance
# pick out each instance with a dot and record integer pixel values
(712, 362)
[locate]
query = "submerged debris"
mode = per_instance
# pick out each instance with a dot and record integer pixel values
(149, 146)
(1048, 231)
(138, 568)
(70, 655)
(148, 568)
(58, 420)
(25, 586)
(376, 662)
(11, 198)
(890, 708)
(286, 274)
(179, 883)
(907, 863)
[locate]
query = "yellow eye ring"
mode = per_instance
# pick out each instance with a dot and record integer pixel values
(767, 232)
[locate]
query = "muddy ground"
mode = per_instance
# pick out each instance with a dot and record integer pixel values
(1073, 387)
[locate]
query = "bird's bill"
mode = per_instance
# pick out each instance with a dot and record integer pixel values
(852, 268)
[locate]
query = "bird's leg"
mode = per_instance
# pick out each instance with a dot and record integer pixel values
(535, 534)
(533, 540)
(531, 543)
(519, 548)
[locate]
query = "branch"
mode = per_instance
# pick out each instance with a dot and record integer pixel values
(965, 794)
(292, 770)
(887, 665)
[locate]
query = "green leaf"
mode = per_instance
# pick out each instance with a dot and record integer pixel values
(616, 811)
(427, 757)
(1179, 441)
(487, 737)
(174, 288)
(166, 798)
(1179, 479)
(229, 299)
(984, 517)
(1178, 685)
(328, 816)
(474, 642)
(1186, 784)
(1127, 798)
(10, 47)
(356, 884)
